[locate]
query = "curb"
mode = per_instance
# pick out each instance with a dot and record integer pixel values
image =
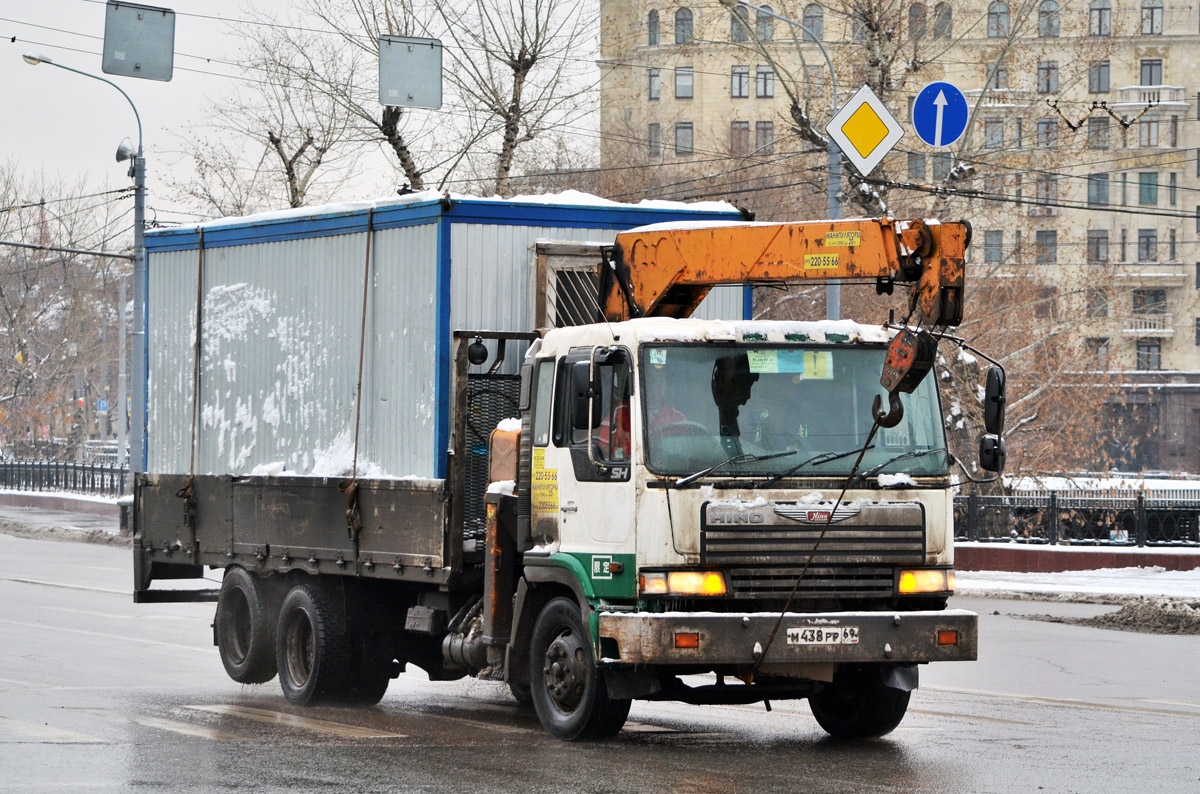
(60, 501)
(1055, 559)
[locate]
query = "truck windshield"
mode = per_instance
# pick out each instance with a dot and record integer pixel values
(703, 404)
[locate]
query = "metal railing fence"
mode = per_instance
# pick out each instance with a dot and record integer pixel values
(86, 478)
(1080, 518)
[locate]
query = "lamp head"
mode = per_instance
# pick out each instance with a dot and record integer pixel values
(126, 151)
(33, 59)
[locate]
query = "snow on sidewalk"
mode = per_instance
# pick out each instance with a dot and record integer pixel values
(1143, 581)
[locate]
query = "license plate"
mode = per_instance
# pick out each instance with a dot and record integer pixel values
(822, 635)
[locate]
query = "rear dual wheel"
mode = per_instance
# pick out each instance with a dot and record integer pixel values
(320, 660)
(245, 627)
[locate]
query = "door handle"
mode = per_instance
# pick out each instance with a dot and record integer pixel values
(570, 508)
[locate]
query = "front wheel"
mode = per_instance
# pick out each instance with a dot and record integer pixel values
(568, 691)
(858, 705)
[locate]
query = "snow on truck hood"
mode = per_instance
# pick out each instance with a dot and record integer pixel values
(665, 329)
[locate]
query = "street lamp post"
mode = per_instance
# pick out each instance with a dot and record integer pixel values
(833, 187)
(137, 440)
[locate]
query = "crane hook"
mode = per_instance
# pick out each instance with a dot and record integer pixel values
(894, 414)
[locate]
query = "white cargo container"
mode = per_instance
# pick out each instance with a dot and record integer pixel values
(278, 362)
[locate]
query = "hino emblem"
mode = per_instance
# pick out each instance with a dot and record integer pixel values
(807, 514)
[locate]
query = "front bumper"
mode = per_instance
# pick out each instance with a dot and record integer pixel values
(643, 638)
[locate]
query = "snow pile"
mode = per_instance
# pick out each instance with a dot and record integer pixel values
(503, 487)
(511, 425)
(1145, 581)
(896, 480)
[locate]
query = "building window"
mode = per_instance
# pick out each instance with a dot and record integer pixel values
(1098, 77)
(997, 20)
(1151, 72)
(1017, 143)
(814, 20)
(1097, 302)
(1197, 342)
(916, 172)
(1046, 248)
(654, 140)
(997, 76)
(739, 24)
(739, 82)
(1097, 132)
(993, 246)
(654, 88)
(683, 26)
(1150, 301)
(1100, 18)
(683, 138)
(1048, 19)
(1047, 133)
(1148, 133)
(916, 21)
(1097, 350)
(1124, 244)
(739, 138)
(764, 82)
(993, 184)
(993, 133)
(1147, 245)
(1149, 354)
(1046, 190)
(1097, 246)
(764, 137)
(1097, 189)
(684, 82)
(652, 28)
(1047, 77)
(1148, 187)
(1152, 17)
(1124, 189)
(764, 24)
(941, 165)
(1172, 248)
(943, 19)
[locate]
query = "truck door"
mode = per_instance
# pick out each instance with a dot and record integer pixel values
(594, 446)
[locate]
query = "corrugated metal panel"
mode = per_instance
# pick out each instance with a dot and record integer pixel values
(492, 269)
(280, 354)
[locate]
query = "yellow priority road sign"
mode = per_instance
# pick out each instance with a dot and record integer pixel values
(865, 130)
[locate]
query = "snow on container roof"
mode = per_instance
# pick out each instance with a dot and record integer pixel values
(570, 208)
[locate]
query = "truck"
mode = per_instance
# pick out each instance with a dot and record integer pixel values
(618, 501)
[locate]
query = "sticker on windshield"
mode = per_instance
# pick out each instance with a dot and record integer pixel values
(818, 365)
(773, 362)
(658, 356)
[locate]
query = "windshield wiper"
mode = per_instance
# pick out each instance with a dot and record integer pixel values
(816, 460)
(682, 481)
(903, 456)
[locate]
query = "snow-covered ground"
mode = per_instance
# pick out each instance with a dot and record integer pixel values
(1143, 581)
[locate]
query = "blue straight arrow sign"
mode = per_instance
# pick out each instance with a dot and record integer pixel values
(939, 114)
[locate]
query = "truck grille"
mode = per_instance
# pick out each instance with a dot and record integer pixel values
(763, 548)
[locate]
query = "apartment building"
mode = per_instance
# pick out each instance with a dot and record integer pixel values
(1079, 168)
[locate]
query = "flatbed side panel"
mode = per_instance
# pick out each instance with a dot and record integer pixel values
(294, 524)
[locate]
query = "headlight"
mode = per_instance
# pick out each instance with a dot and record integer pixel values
(926, 580)
(698, 583)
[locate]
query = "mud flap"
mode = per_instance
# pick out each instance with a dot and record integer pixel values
(900, 676)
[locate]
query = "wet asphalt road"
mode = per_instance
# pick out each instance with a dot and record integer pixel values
(97, 694)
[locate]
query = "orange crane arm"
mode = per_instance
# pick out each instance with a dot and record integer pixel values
(666, 272)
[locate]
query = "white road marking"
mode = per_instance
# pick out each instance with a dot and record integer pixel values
(23, 732)
(1065, 702)
(189, 730)
(293, 721)
(68, 586)
(190, 648)
(109, 615)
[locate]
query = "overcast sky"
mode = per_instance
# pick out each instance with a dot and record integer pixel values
(70, 125)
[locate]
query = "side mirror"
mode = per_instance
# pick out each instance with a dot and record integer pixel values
(581, 394)
(991, 453)
(994, 402)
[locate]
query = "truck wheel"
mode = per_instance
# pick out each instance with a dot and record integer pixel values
(521, 693)
(372, 671)
(245, 628)
(569, 695)
(313, 648)
(857, 705)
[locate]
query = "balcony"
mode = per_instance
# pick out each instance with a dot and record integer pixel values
(1148, 324)
(1000, 97)
(1156, 274)
(1164, 96)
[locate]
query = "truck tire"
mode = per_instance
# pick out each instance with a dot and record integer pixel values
(245, 627)
(521, 693)
(372, 670)
(858, 705)
(569, 694)
(313, 648)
